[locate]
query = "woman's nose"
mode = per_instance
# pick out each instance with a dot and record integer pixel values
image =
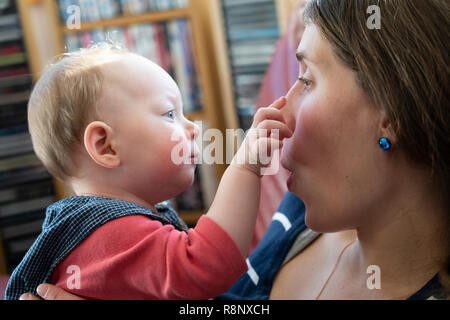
(288, 113)
(290, 110)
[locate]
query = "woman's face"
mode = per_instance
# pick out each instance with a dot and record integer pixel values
(337, 167)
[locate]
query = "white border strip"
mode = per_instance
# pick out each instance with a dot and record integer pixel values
(252, 273)
(278, 216)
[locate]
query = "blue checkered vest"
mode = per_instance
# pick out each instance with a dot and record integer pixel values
(67, 223)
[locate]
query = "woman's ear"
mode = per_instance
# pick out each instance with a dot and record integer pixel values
(100, 144)
(387, 129)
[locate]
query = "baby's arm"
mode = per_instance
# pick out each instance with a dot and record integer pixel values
(236, 203)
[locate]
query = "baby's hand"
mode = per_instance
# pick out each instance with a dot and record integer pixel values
(263, 139)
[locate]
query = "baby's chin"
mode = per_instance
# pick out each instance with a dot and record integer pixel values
(184, 181)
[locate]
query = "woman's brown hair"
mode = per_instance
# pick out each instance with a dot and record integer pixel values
(403, 65)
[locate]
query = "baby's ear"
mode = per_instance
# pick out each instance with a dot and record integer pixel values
(99, 144)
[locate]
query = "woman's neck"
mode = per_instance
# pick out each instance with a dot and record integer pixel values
(406, 239)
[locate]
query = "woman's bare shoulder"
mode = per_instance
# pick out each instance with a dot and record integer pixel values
(302, 276)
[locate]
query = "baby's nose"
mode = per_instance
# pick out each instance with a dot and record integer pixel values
(192, 130)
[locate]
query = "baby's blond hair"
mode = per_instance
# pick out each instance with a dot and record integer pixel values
(64, 101)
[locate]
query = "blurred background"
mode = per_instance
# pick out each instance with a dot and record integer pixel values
(227, 56)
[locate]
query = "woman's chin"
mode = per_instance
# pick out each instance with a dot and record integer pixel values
(293, 185)
(318, 223)
(314, 223)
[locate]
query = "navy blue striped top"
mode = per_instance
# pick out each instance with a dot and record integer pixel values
(288, 225)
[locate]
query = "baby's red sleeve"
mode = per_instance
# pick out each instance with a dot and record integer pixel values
(134, 257)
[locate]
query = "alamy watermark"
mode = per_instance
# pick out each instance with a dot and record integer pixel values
(374, 20)
(74, 280)
(73, 20)
(374, 280)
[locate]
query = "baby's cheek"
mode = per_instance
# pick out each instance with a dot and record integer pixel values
(177, 150)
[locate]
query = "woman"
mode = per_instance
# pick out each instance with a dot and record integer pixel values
(369, 158)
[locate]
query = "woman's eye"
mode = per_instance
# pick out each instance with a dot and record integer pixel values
(170, 114)
(307, 83)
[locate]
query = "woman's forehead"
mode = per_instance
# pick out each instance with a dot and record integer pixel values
(313, 48)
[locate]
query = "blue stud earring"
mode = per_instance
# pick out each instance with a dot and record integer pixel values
(384, 143)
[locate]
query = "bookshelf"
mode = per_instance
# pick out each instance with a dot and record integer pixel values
(246, 32)
(26, 188)
(130, 20)
(225, 14)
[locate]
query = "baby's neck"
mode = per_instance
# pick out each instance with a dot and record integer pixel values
(89, 189)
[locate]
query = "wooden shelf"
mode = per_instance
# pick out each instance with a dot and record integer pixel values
(129, 20)
(195, 115)
(284, 9)
(190, 217)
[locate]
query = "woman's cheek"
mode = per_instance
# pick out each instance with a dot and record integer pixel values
(305, 134)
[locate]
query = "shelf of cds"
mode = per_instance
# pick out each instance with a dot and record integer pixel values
(158, 30)
(26, 188)
(251, 32)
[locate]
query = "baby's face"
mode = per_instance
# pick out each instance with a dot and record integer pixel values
(142, 104)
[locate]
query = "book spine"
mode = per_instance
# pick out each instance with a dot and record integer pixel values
(64, 6)
(176, 51)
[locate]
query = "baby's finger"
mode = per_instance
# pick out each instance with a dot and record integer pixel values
(279, 103)
(265, 149)
(273, 128)
(267, 113)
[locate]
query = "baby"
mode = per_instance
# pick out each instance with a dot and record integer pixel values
(105, 121)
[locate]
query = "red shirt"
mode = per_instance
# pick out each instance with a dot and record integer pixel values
(134, 257)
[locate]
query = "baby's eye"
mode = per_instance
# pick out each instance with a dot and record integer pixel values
(170, 114)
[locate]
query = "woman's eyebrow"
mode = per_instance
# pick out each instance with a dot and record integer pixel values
(301, 55)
